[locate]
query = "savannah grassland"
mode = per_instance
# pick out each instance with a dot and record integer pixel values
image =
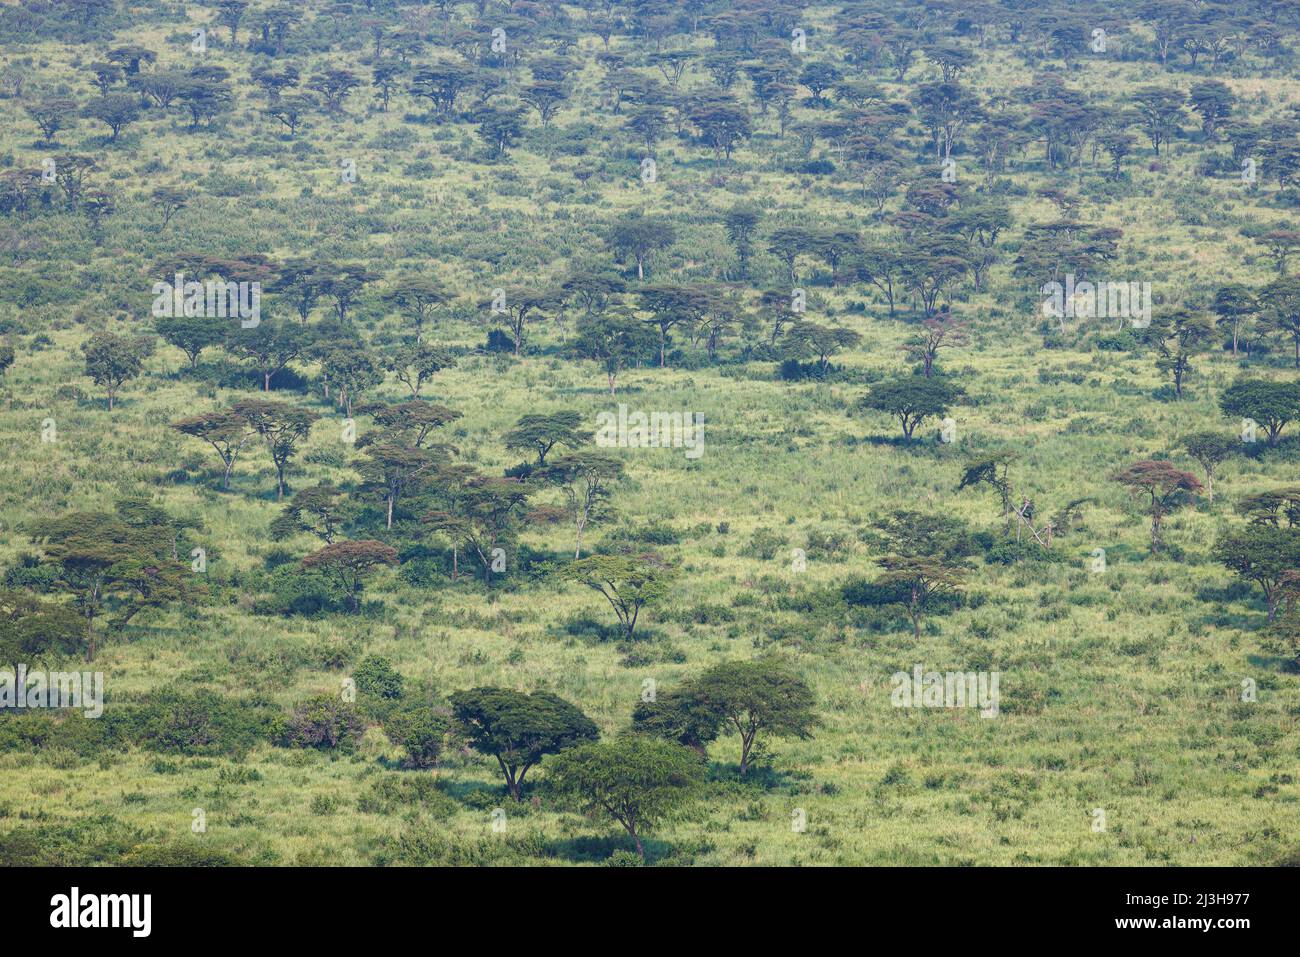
(1120, 691)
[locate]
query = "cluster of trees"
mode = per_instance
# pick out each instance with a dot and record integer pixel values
(636, 778)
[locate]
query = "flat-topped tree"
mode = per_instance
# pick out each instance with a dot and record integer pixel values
(281, 426)
(1209, 449)
(292, 110)
(636, 780)
(115, 110)
(758, 695)
(673, 304)
(521, 304)
(1264, 554)
(541, 432)
(1178, 337)
(628, 582)
(317, 509)
(741, 223)
(1279, 307)
(808, 339)
(348, 365)
(614, 340)
(417, 297)
(519, 729)
(112, 568)
(1276, 508)
(934, 334)
(334, 87)
(408, 423)
(592, 287)
(229, 14)
(585, 479)
(385, 76)
(303, 282)
(1164, 488)
(721, 121)
(343, 283)
(1270, 404)
(51, 114)
(131, 56)
(227, 432)
(1234, 304)
(349, 563)
(639, 237)
(500, 129)
(413, 364)
(442, 83)
(482, 512)
(191, 334)
(912, 399)
(169, 200)
(270, 346)
(391, 468)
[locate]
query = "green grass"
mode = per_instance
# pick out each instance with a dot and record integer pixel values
(1120, 691)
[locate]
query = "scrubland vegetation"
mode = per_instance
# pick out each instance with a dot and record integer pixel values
(377, 567)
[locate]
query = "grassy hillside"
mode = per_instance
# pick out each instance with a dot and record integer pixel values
(1120, 690)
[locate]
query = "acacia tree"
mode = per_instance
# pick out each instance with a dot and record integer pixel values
(584, 478)
(190, 334)
(911, 400)
(417, 296)
(227, 432)
(991, 470)
(1164, 487)
(741, 223)
(349, 563)
(519, 729)
(115, 110)
(415, 363)
(614, 341)
(1177, 338)
(519, 305)
(52, 114)
(112, 567)
(1234, 305)
(808, 339)
(316, 510)
(541, 432)
(935, 332)
(482, 512)
(1263, 554)
(391, 468)
(269, 346)
(922, 580)
(281, 426)
(640, 237)
(1279, 303)
(111, 361)
(1209, 449)
(627, 582)
(636, 780)
(672, 304)
(759, 695)
(1270, 404)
